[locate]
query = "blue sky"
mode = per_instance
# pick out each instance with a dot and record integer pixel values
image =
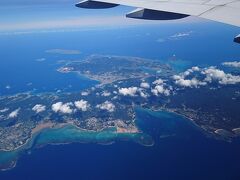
(45, 15)
(61, 16)
(35, 2)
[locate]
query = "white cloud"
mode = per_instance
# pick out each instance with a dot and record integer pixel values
(190, 82)
(106, 106)
(105, 94)
(212, 73)
(40, 59)
(230, 79)
(181, 80)
(209, 74)
(190, 71)
(181, 35)
(131, 91)
(145, 85)
(82, 105)
(235, 64)
(14, 113)
(143, 94)
(115, 97)
(158, 81)
(159, 89)
(85, 93)
(39, 108)
(187, 72)
(63, 108)
(176, 36)
(195, 68)
(177, 77)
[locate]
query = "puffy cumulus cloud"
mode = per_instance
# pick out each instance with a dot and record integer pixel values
(131, 91)
(107, 105)
(82, 105)
(190, 71)
(106, 94)
(195, 68)
(145, 85)
(230, 79)
(39, 108)
(181, 79)
(143, 94)
(158, 81)
(206, 75)
(14, 113)
(189, 82)
(235, 64)
(212, 73)
(159, 89)
(187, 73)
(63, 108)
(177, 77)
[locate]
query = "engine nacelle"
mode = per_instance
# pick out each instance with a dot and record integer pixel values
(154, 15)
(237, 39)
(89, 4)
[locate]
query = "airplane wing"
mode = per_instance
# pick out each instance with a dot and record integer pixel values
(225, 11)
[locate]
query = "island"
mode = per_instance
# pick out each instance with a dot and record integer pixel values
(106, 112)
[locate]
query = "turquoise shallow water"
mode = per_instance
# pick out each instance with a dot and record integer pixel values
(181, 151)
(69, 134)
(179, 146)
(22, 72)
(73, 134)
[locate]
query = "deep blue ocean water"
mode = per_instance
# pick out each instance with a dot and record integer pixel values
(181, 151)
(208, 44)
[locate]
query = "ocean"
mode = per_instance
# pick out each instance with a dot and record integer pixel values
(181, 150)
(25, 65)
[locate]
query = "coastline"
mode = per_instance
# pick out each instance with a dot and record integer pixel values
(59, 135)
(216, 133)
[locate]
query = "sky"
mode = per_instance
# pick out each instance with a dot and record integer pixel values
(23, 16)
(35, 2)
